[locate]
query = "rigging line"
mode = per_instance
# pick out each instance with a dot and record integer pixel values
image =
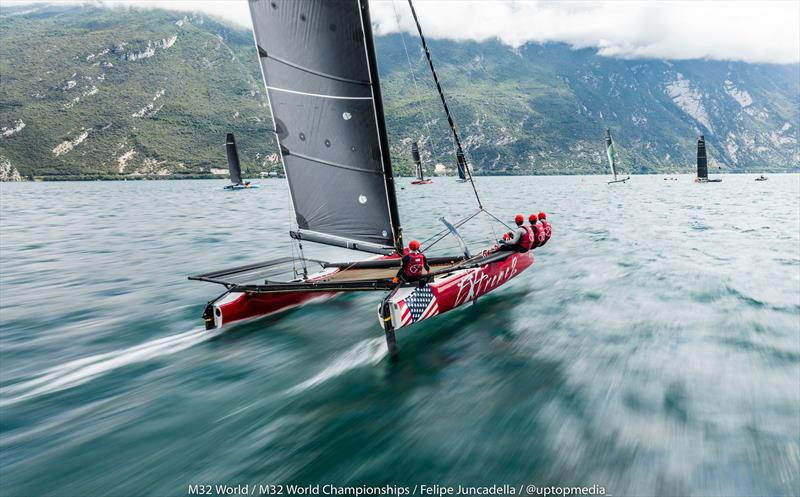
(447, 230)
(444, 102)
(498, 220)
(443, 234)
(427, 117)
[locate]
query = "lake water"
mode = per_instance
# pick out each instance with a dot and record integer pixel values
(653, 348)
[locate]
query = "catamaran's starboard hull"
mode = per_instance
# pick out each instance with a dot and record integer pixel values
(409, 305)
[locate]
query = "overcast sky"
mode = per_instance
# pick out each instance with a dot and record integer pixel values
(752, 31)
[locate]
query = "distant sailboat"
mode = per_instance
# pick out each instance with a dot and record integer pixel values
(420, 177)
(702, 163)
(234, 168)
(461, 164)
(611, 153)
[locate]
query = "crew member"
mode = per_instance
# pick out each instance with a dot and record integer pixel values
(414, 262)
(538, 231)
(548, 228)
(521, 241)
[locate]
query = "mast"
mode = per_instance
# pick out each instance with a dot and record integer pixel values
(377, 100)
(417, 161)
(460, 160)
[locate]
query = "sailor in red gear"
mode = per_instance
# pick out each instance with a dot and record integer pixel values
(522, 240)
(548, 228)
(538, 231)
(414, 262)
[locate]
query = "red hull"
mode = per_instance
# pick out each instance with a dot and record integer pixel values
(448, 292)
(422, 182)
(408, 305)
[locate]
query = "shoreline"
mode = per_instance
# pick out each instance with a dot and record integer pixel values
(99, 177)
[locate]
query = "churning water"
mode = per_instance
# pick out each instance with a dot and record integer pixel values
(653, 348)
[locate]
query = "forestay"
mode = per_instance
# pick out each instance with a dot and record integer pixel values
(319, 67)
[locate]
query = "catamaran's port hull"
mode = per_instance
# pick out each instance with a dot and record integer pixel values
(422, 182)
(237, 307)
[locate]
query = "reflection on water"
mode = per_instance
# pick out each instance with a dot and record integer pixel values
(654, 347)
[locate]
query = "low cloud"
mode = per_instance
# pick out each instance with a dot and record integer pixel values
(750, 31)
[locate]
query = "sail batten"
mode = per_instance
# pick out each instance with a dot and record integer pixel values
(320, 74)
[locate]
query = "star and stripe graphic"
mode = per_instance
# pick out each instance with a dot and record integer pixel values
(420, 304)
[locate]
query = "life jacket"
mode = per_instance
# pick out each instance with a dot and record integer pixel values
(538, 235)
(526, 241)
(548, 231)
(415, 266)
(541, 236)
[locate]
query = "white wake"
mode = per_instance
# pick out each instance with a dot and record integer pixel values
(80, 371)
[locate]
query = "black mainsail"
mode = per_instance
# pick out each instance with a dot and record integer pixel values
(461, 165)
(319, 66)
(417, 161)
(702, 161)
(234, 168)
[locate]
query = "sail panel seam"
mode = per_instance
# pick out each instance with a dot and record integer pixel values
(263, 53)
(339, 97)
(334, 164)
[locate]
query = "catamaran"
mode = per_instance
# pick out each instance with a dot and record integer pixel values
(419, 174)
(702, 163)
(611, 153)
(320, 70)
(234, 168)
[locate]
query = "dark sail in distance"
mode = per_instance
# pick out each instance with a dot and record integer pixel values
(702, 162)
(234, 168)
(611, 153)
(461, 164)
(417, 160)
(319, 68)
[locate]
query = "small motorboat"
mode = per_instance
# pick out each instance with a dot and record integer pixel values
(762, 178)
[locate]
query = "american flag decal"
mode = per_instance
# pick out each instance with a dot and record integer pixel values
(421, 304)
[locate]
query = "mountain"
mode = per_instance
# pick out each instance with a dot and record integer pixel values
(113, 92)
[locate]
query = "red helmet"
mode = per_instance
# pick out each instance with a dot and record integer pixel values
(519, 219)
(542, 215)
(532, 219)
(413, 245)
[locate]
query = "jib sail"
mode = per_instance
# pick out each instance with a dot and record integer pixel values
(321, 75)
(702, 161)
(611, 153)
(234, 168)
(417, 161)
